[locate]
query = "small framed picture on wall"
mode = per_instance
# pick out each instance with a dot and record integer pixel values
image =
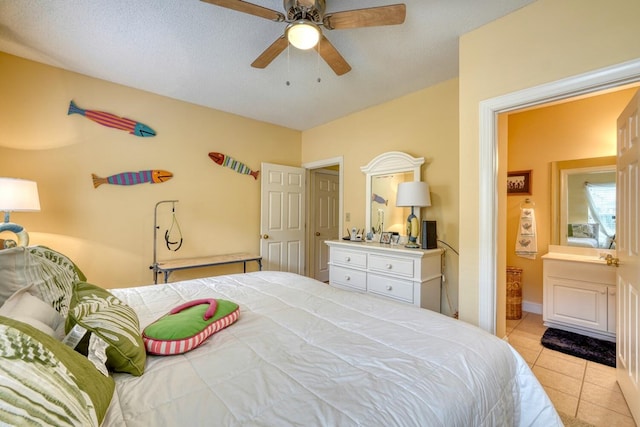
(519, 182)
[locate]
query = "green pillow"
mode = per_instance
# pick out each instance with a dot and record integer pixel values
(103, 314)
(189, 325)
(44, 382)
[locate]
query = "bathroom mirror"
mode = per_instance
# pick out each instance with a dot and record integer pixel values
(583, 202)
(384, 173)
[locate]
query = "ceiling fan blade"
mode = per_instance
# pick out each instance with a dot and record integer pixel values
(251, 9)
(374, 16)
(332, 57)
(271, 52)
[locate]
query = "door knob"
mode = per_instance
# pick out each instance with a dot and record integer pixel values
(317, 233)
(266, 236)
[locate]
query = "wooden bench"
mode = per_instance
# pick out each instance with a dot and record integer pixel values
(166, 267)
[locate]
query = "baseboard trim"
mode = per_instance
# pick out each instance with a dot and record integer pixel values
(531, 307)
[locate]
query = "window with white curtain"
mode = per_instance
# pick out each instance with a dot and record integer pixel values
(601, 199)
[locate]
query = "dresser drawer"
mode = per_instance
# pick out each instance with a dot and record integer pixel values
(341, 276)
(392, 288)
(348, 258)
(396, 266)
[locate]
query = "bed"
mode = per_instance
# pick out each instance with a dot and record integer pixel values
(583, 235)
(304, 353)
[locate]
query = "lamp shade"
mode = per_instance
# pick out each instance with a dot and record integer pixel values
(18, 195)
(303, 34)
(413, 193)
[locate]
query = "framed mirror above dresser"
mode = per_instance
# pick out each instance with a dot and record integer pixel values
(384, 173)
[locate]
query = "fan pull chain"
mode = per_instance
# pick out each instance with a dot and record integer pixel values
(288, 83)
(318, 61)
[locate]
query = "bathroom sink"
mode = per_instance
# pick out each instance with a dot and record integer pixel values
(589, 255)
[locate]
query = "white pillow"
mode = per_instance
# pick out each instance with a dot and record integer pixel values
(24, 307)
(50, 276)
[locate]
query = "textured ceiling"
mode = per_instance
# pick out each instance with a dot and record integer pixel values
(200, 53)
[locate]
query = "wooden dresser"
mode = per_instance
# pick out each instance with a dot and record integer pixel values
(411, 276)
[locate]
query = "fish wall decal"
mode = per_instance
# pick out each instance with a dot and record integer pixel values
(230, 162)
(379, 199)
(155, 176)
(113, 121)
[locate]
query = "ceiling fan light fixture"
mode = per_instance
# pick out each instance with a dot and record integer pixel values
(303, 34)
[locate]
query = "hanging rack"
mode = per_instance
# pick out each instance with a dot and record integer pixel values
(154, 267)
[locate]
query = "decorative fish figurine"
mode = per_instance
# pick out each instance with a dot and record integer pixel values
(132, 178)
(232, 163)
(379, 199)
(113, 121)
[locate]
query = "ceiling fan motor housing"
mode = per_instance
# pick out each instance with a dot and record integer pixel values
(312, 10)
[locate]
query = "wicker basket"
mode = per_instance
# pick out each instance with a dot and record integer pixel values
(514, 293)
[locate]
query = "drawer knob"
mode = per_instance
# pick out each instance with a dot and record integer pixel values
(347, 277)
(347, 258)
(389, 266)
(603, 292)
(389, 287)
(612, 292)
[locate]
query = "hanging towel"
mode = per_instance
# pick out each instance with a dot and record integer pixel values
(526, 241)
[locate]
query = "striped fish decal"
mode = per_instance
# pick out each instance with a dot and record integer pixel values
(155, 176)
(113, 121)
(232, 163)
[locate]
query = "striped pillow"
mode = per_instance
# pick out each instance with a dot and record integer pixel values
(44, 382)
(48, 274)
(189, 325)
(103, 314)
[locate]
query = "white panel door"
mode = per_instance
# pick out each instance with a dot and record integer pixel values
(325, 219)
(282, 226)
(628, 251)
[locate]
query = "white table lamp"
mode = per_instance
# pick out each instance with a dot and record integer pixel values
(17, 195)
(413, 194)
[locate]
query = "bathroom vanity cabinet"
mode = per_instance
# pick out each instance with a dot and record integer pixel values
(579, 293)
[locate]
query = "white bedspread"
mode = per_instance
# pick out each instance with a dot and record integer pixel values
(306, 354)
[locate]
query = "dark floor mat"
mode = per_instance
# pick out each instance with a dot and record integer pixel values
(588, 348)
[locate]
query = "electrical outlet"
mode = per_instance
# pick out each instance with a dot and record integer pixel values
(347, 216)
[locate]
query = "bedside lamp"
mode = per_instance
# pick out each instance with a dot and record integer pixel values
(413, 194)
(17, 195)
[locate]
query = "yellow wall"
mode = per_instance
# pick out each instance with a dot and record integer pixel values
(108, 230)
(574, 130)
(422, 124)
(543, 42)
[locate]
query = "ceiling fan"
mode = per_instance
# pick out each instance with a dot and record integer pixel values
(305, 17)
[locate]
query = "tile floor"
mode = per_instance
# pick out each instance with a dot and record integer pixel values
(577, 387)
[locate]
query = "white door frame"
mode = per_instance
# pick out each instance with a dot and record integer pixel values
(488, 209)
(319, 164)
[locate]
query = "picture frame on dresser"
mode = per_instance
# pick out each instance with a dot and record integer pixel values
(385, 237)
